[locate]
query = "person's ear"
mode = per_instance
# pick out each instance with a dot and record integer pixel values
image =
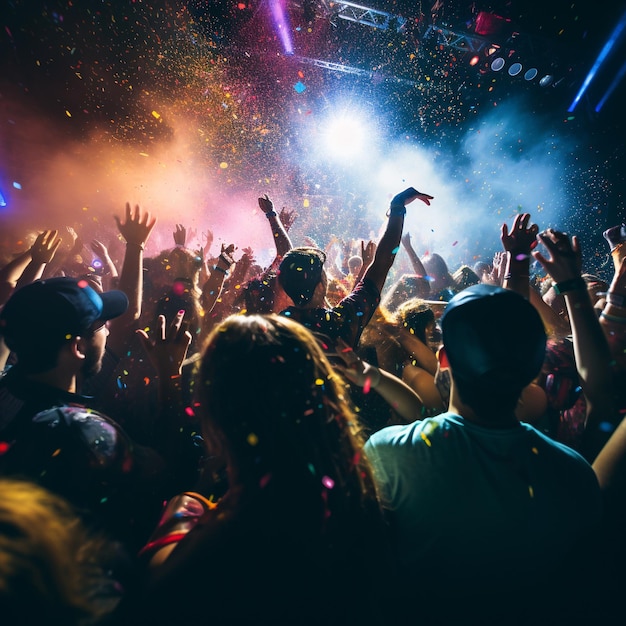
(78, 347)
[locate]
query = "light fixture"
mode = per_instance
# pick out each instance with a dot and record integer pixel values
(497, 64)
(515, 69)
(531, 74)
(547, 80)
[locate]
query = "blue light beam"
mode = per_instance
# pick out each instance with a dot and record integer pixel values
(606, 50)
(616, 81)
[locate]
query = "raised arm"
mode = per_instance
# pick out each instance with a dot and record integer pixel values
(591, 349)
(390, 241)
(10, 274)
(517, 244)
(41, 253)
(418, 267)
(135, 229)
(281, 238)
(396, 393)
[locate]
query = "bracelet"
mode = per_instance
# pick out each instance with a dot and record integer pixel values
(220, 269)
(613, 318)
(271, 213)
(509, 276)
(573, 284)
(396, 209)
(132, 243)
(616, 299)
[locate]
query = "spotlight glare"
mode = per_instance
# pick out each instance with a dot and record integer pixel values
(346, 135)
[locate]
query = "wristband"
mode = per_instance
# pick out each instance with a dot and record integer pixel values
(573, 284)
(271, 213)
(616, 299)
(220, 269)
(396, 209)
(613, 318)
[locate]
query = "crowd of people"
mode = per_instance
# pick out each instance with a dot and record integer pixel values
(191, 438)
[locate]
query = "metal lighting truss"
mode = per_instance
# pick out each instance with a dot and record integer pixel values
(363, 15)
(464, 42)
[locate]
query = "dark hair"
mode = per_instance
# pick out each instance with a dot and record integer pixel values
(273, 403)
(259, 294)
(300, 272)
(415, 315)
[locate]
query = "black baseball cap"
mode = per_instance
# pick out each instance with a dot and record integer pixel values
(55, 309)
(494, 336)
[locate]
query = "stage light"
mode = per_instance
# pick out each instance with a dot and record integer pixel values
(346, 135)
(474, 60)
(497, 64)
(281, 22)
(547, 80)
(515, 69)
(491, 50)
(3, 202)
(531, 74)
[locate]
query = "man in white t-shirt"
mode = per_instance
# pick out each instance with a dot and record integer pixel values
(488, 514)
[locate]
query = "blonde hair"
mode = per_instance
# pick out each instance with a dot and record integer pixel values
(43, 557)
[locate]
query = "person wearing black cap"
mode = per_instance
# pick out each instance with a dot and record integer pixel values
(57, 330)
(302, 276)
(485, 508)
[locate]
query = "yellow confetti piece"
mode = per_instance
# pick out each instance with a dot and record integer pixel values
(56, 452)
(426, 440)
(531, 491)
(223, 165)
(252, 439)
(305, 203)
(143, 154)
(156, 115)
(319, 382)
(68, 113)
(535, 450)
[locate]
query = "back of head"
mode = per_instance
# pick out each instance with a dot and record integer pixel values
(42, 558)
(465, 277)
(495, 343)
(300, 272)
(39, 318)
(415, 315)
(270, 398)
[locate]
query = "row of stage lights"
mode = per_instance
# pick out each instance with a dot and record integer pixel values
(498, 63)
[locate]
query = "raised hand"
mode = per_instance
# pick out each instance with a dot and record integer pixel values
(265, 204)
(180, 235)
(137, 226)
(287, 217)
(565, 256)
(368, 252)
(408, 195)
(99, 249)
(167, 348)
(355, 369)
(45, 247)
(521, 239)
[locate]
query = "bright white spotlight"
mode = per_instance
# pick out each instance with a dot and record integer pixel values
(347, 135)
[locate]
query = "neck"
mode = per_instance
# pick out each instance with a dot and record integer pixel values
(56, 378)
(456, 405)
